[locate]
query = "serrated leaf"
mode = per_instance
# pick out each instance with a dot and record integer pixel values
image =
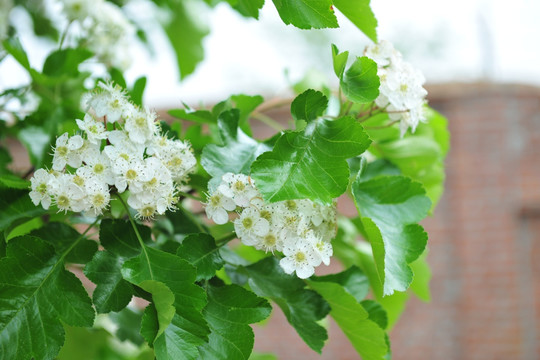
(307, 14)
(237, 153)
(200, 250)
(390, 207)
(16, 205)
(112, 292)
(310, 163)
(353, 280)
(360, 14)
(360, 82)
(118, 237)
(185, 34)
(366, 336)
(377, 314)
(309, 105)
(62, 237)
(177, 300)
(302, 307)
(30, 315)
(229, 311)
(339, 61)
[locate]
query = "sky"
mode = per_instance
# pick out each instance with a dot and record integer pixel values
(461, 40)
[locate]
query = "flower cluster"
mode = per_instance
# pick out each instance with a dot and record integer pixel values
(401, 91)
(300, 229)
(136, 157)
(105, 28)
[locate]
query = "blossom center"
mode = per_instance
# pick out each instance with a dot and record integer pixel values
(63, 201)
(62, 150)
(78, 180)
(98, 168)
(131, 174)
(98, 200)
(247, 222)
(148, 211)
(41, 188)
(300, 256)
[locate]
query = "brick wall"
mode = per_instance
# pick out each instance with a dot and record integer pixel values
(484, 240)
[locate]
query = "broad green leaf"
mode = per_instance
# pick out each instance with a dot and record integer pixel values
(307, 14)
(13, 46)
(390, 207)
(112, 292)
(310, 163)
(16, 205)
(246, 104)
(302, 307)
(377, 314)
(177, 300)
(11, 181)
(366, 336)
(137, 92)
(262, 356)
(309, 105)
(360, 14)
(65, 62)
(237, 153)
(118, 237)
(128, 323)
(422, 275)
(229, 311)
(360, 82)
(248, 8)
(394, 305)
(36, 294)
(186, 34)
(353, 280)
(200, 250)
(339, 61)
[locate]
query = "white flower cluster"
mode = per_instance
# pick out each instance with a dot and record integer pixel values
(105, 29)
(136, 157)
(300, 229)
(401, 91)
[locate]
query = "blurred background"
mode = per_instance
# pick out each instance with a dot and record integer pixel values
(481, 60)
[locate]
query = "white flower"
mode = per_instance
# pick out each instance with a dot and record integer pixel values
(177, 157)
(217, 206)
(141, 125)
(238, 187)
(322, 248)
(381, 53)
(97, 197)
(299, 257)
(66, 152)
(269, 242)
(95, 131)
(41, 188)
(133, 173)
(110, 102)
(97, 166)
(250, 225)
(67, 195)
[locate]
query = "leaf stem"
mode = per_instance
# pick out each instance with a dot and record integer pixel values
(225, 239)
(132, 221)
(381, 127)
(64, 34)
(265, 119)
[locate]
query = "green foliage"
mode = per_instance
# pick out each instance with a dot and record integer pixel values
(389, 208)
(310, 163)
(15, 205)
(360, 14)
(248, 8)
(200, 250)
(359, 82)
(307, 14)
(30, 315)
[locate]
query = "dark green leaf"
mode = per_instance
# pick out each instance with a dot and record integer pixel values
(309, 105)
(229, 311)
(339, 61)
(13, 182)
(65, 62)
(200, 250)
(30, 315)
(238, 152)
(360, 82)
(390, 207)
(302, 307)
(112, 292)
(129, 323)
(307, 14)
(16, 205)
(136, 93)
(199, 116)
(365, 335)
(360, 14)
(118, 237)
(246, 104)
(353, 280)
(377, 314)
(310, 163)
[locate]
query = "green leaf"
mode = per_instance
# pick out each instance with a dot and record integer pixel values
(36, 293)
(186, 34)
(16, 205)
(302, 307)
(229, 311)
(307, 14)
(248, 8)
(36, 140)
(177, 300)
(13, 46)
(365, 335)
(394, 305)
(13, 182)
(360, 82)
(237, 154)
(136, 93)
(118, 237)
(112, 292)
(246, 104)
(353, 280)
(377, 314)
(62, 237)
(310, 163)
(422, 275)
(309, 105)
(128, 325)
(198, 116)
(65, 62)
(360, 14)
(339, 61)
(390, 207)
(200, 250)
